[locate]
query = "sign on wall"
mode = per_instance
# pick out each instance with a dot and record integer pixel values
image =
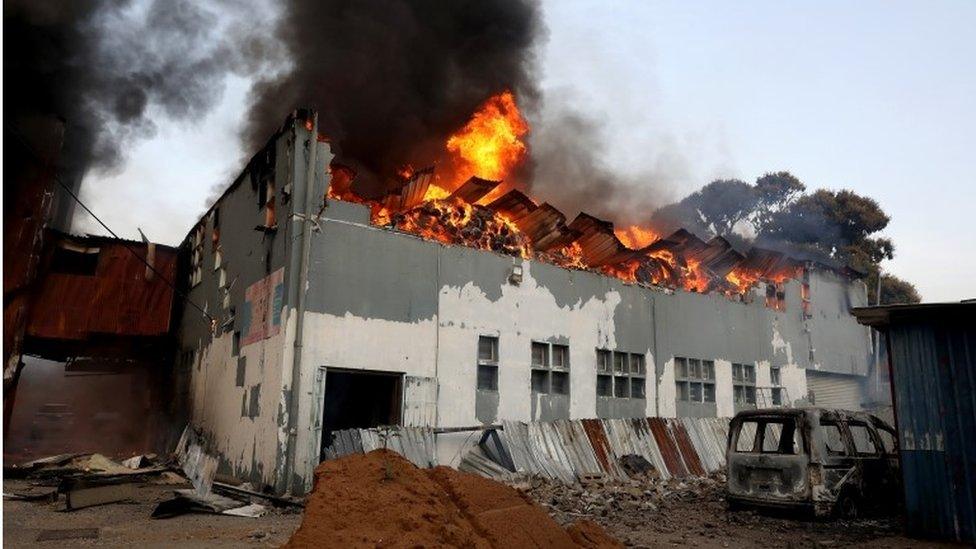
(263, 302)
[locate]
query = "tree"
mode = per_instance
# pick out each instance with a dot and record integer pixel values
(775, 192)
(893, 289)
(834, 225)
(719, 207)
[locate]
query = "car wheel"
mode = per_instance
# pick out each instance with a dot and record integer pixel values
(846, 506)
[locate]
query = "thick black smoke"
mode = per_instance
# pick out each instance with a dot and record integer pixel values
(108, 68)
(393, 79)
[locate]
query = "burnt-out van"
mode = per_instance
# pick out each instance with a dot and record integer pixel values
(827, 462)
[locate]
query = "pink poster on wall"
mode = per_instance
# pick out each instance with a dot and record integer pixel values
(263, 302)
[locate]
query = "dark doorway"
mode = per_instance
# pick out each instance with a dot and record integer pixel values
(359, 400)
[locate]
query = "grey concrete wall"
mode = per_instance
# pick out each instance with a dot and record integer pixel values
(238, 391)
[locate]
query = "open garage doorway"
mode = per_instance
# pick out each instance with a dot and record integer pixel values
(358, 399)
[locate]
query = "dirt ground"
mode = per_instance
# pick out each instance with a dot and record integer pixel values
(696, 516)
(128, 524)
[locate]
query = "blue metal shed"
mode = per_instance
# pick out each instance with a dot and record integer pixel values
(932, 349)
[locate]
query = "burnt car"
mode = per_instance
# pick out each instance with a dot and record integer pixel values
(822, 461)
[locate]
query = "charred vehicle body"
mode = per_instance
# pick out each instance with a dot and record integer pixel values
(826, 462)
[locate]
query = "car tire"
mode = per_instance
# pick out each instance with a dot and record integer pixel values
(846, 506)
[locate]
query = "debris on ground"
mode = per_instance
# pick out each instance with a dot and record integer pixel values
(380, 498)
(648, 511)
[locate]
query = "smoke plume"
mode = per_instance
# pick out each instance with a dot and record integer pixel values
(391, 80)
(109, 68)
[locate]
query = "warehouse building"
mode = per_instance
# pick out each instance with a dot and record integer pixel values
(321, 320)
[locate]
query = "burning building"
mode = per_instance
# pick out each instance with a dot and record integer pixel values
(451, 300)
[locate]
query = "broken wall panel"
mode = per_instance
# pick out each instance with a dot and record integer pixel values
(115, 298)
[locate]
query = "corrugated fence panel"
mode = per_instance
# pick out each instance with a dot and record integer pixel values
(601, 447)
(668, 447)
(688, 453)
(934, 374)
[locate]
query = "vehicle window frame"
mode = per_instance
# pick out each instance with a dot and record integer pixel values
(755, 436)
(894, 439)
(798, 445)
(871, 435)
(844, 438)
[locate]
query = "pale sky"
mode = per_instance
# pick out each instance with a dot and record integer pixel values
(875, 96)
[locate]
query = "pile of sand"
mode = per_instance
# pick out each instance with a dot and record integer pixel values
(381, 499)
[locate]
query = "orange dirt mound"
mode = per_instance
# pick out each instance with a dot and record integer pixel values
(381, 499)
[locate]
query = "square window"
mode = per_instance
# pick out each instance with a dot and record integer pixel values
(777, 396)
(621, 387)
(540, 354)
(696, 392)
(736, 372)
(637, 365)
(560, 383)
(680, 367)
(487, 377)
(540, 381)
(694, 368)
(488, 349)
(738, 394)
(619, 363)
(749, 372)
(683, 391)
(774, 375)
(708, 369)
(603, 360)
(637, 387)
(560, 356)
(709, 395)
(604, 386)
(750, 394)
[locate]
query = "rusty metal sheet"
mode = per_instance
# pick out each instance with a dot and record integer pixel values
(514, 205)
(118, 300)
(668, 446)
(687, 449)
(598, 244)
(539, 224)
(474, 189)
(578, 448)
(601, 446)
(653, 453)
(415, 189)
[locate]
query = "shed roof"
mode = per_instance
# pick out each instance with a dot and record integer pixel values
(883, 315)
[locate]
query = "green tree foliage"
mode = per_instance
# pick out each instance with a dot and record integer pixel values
(831, 226)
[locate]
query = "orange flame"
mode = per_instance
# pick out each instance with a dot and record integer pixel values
(635, 236)
(490, 145)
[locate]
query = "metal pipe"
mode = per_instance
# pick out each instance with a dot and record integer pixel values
(296, 367)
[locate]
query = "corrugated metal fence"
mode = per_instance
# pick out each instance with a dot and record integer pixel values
(934, 377)
(565, 450)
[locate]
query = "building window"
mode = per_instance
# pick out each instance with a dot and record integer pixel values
(694, 379)
(488, 363)
(620, 374)
(744, 384)
(196, 255)
(550, 368)
(604, 373)
(776, 392)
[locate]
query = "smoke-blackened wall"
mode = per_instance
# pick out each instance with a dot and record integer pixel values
(392, 80)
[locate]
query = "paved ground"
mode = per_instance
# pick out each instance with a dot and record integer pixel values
(128, 524)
